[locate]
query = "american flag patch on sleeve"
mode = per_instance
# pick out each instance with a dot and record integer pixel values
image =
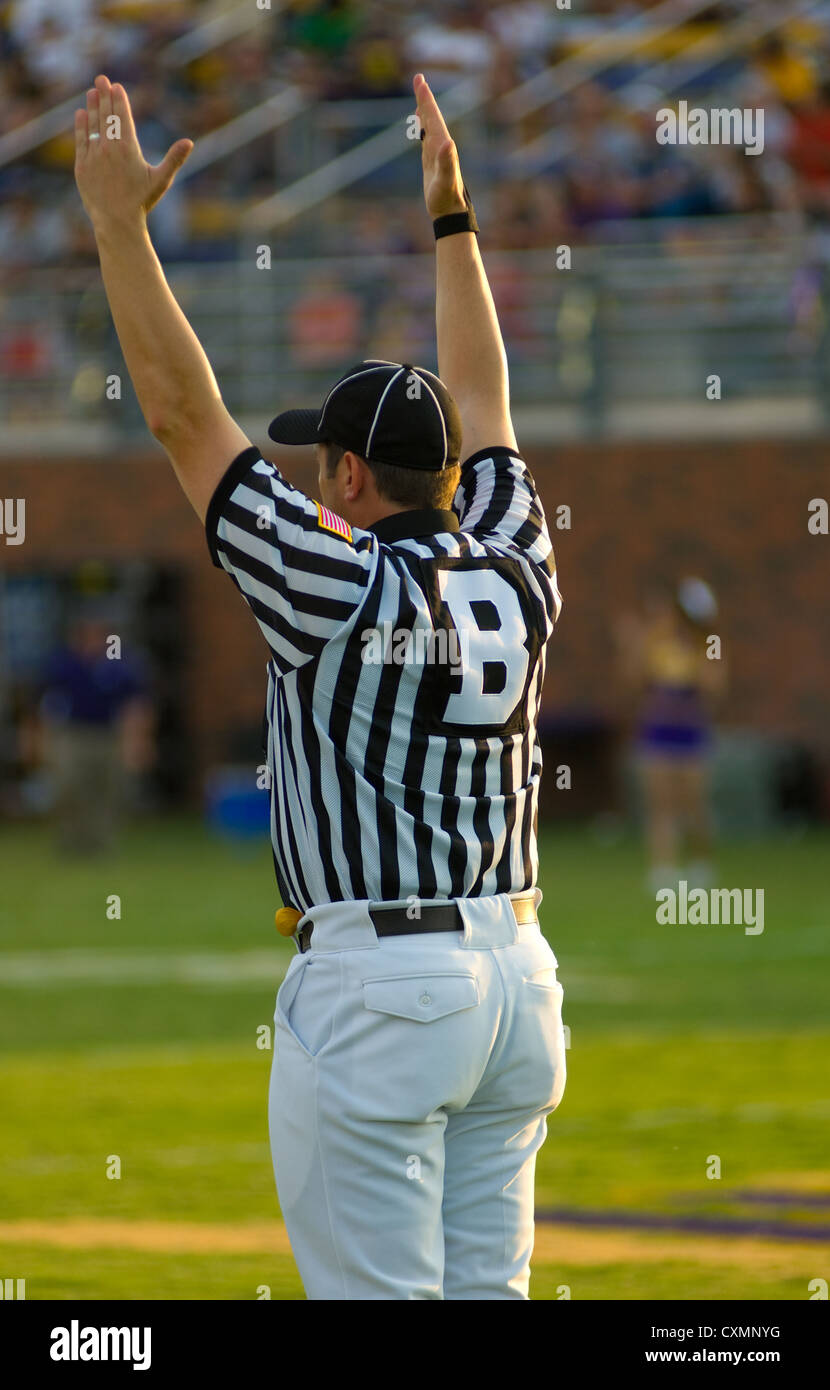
(330, 521)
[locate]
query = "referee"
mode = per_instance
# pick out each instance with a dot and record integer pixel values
(419, 1045)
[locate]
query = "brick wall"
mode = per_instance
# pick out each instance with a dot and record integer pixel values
(735, 513)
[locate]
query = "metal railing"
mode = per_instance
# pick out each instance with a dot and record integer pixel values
(229, 22)
(637, 31)
(381, 148)
(657, 81)
(632, 326)
(464, 99)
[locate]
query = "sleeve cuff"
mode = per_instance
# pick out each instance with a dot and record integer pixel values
(488, 454)
(241, 465)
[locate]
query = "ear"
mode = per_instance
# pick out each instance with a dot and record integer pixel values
(354, 476)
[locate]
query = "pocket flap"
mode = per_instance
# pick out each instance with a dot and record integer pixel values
(421, 998)
(544, 978)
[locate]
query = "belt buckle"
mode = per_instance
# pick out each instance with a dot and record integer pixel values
(525, 909)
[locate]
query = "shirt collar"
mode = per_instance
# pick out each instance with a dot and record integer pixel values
(412, 525)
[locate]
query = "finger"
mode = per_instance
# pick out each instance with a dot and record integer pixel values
(176, 156)
(444, 157)
(93, 127)
(81, 142)
(164, 173)
(420, 106)
(428, 108)
(416, 87)
(121, 108)
(102, 87)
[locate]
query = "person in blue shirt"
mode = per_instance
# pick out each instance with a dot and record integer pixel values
(97, 715)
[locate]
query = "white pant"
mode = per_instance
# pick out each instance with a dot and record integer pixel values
(410, 1085)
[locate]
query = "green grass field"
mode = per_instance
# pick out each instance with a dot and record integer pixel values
(137, 1038)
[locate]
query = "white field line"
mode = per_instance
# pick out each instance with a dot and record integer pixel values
(191, 1156)
(220, 969)
(113, 967)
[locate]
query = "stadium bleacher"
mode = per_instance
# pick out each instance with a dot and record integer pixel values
(559, 146)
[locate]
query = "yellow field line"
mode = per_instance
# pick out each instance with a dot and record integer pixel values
(559, 1246)
(174, 1237)
(573, 1245)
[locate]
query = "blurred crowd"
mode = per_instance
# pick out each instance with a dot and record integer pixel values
(556, 172)
(548, 171)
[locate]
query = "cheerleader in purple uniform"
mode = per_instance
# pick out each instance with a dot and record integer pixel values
(672, 660)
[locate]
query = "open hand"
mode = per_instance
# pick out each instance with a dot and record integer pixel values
(443, 184)
(114, 179)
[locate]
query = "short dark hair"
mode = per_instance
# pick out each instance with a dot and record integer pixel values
(411, 487)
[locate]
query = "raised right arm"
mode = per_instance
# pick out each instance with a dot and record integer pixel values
(497, 499)
(472, 361)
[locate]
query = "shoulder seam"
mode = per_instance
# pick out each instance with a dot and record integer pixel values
(233, 475)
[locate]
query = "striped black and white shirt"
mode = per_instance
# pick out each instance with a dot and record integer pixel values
(404, 682)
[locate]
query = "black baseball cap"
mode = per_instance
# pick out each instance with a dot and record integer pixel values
(387, 412)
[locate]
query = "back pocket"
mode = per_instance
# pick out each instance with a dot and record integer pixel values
(307, 1001)
(421, 998)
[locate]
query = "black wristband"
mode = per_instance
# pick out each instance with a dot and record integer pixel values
(453, 222)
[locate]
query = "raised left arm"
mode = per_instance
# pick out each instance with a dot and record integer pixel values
(173, 379)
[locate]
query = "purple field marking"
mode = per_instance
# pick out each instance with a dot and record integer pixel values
(701, 1225)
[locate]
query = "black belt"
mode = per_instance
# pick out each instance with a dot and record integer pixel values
(397, 921)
